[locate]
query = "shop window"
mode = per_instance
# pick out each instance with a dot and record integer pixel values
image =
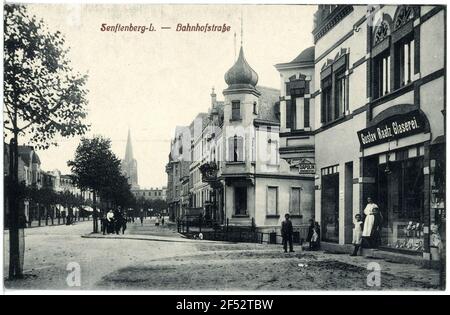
(235, 110)
(294, 201)
(236, 149)
(404, 61)
(272, 200)
(381, 84)
(326, 110)
(240, 200)
(330, 205)
(401, 201)
(340, 94)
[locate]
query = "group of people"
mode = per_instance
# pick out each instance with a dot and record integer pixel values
(366, 231)
(113, 222)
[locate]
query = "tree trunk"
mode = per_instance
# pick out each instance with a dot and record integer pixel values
(15, 265)
(94, 214)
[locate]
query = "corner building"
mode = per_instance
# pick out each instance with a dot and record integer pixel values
(379, 77)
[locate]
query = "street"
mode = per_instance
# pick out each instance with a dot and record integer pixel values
(157, 258)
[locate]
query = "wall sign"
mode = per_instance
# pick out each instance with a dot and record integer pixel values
(307, 168)
(394, 127)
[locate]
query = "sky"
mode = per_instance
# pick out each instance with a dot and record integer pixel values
(154, 81)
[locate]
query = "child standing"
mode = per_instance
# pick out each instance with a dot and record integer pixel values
(357, 234)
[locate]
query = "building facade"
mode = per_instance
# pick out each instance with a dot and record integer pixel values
(379, 95)
(150, 194)
(177, 170)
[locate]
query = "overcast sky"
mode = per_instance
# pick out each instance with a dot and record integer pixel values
(154, 81)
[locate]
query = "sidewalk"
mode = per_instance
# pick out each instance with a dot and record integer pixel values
(147, 232)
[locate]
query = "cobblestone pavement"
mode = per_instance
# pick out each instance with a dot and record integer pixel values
(148, 261)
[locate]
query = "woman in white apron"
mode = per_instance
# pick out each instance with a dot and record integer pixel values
(369, 220)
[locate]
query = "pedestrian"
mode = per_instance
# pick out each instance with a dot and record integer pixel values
(310, 233)
(104, 223)
(162, 221)
(117, 222)
(315, 239)
(368, 223)
(141, 217)
(110, 222)
(357, 234)
(375, 236)
(286, 233)
(124, 224)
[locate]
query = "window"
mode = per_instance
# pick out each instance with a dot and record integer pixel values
(340, 94)
(272, 200)
(235, 110)
(236, 149)
(326, 110)
(291, 113)
(240, 200)
(294, 202)
(255, 108)
(382, 65)
(404, 61)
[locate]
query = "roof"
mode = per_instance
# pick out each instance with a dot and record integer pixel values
(266, 109)
(27, 153)
(306, 55)
(241, 74)
(305, 58)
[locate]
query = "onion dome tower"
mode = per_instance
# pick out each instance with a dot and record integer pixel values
(241, 77)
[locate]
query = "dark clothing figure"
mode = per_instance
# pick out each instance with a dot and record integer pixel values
(162, 221)
(310, 234)
(314, 244)
(104, 224)
(286, 233)
(375, 236)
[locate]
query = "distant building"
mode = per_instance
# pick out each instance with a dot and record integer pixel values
(177, 169)
(129, 165)
(150, 194)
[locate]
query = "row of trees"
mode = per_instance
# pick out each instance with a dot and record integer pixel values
(44, 203)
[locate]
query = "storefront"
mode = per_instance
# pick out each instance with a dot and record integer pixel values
(395, 162)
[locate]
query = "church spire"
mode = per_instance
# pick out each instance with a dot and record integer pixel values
(129, 149)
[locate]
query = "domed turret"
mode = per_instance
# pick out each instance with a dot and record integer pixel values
(241, 75)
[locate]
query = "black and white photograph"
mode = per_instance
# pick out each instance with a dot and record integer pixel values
(210, 147)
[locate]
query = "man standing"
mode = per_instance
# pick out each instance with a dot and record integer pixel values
(286, 233)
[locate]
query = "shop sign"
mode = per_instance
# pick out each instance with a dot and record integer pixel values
(307, 168)
(395, 127)
(304, 166)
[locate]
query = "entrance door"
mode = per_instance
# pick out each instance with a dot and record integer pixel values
(330, 208)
